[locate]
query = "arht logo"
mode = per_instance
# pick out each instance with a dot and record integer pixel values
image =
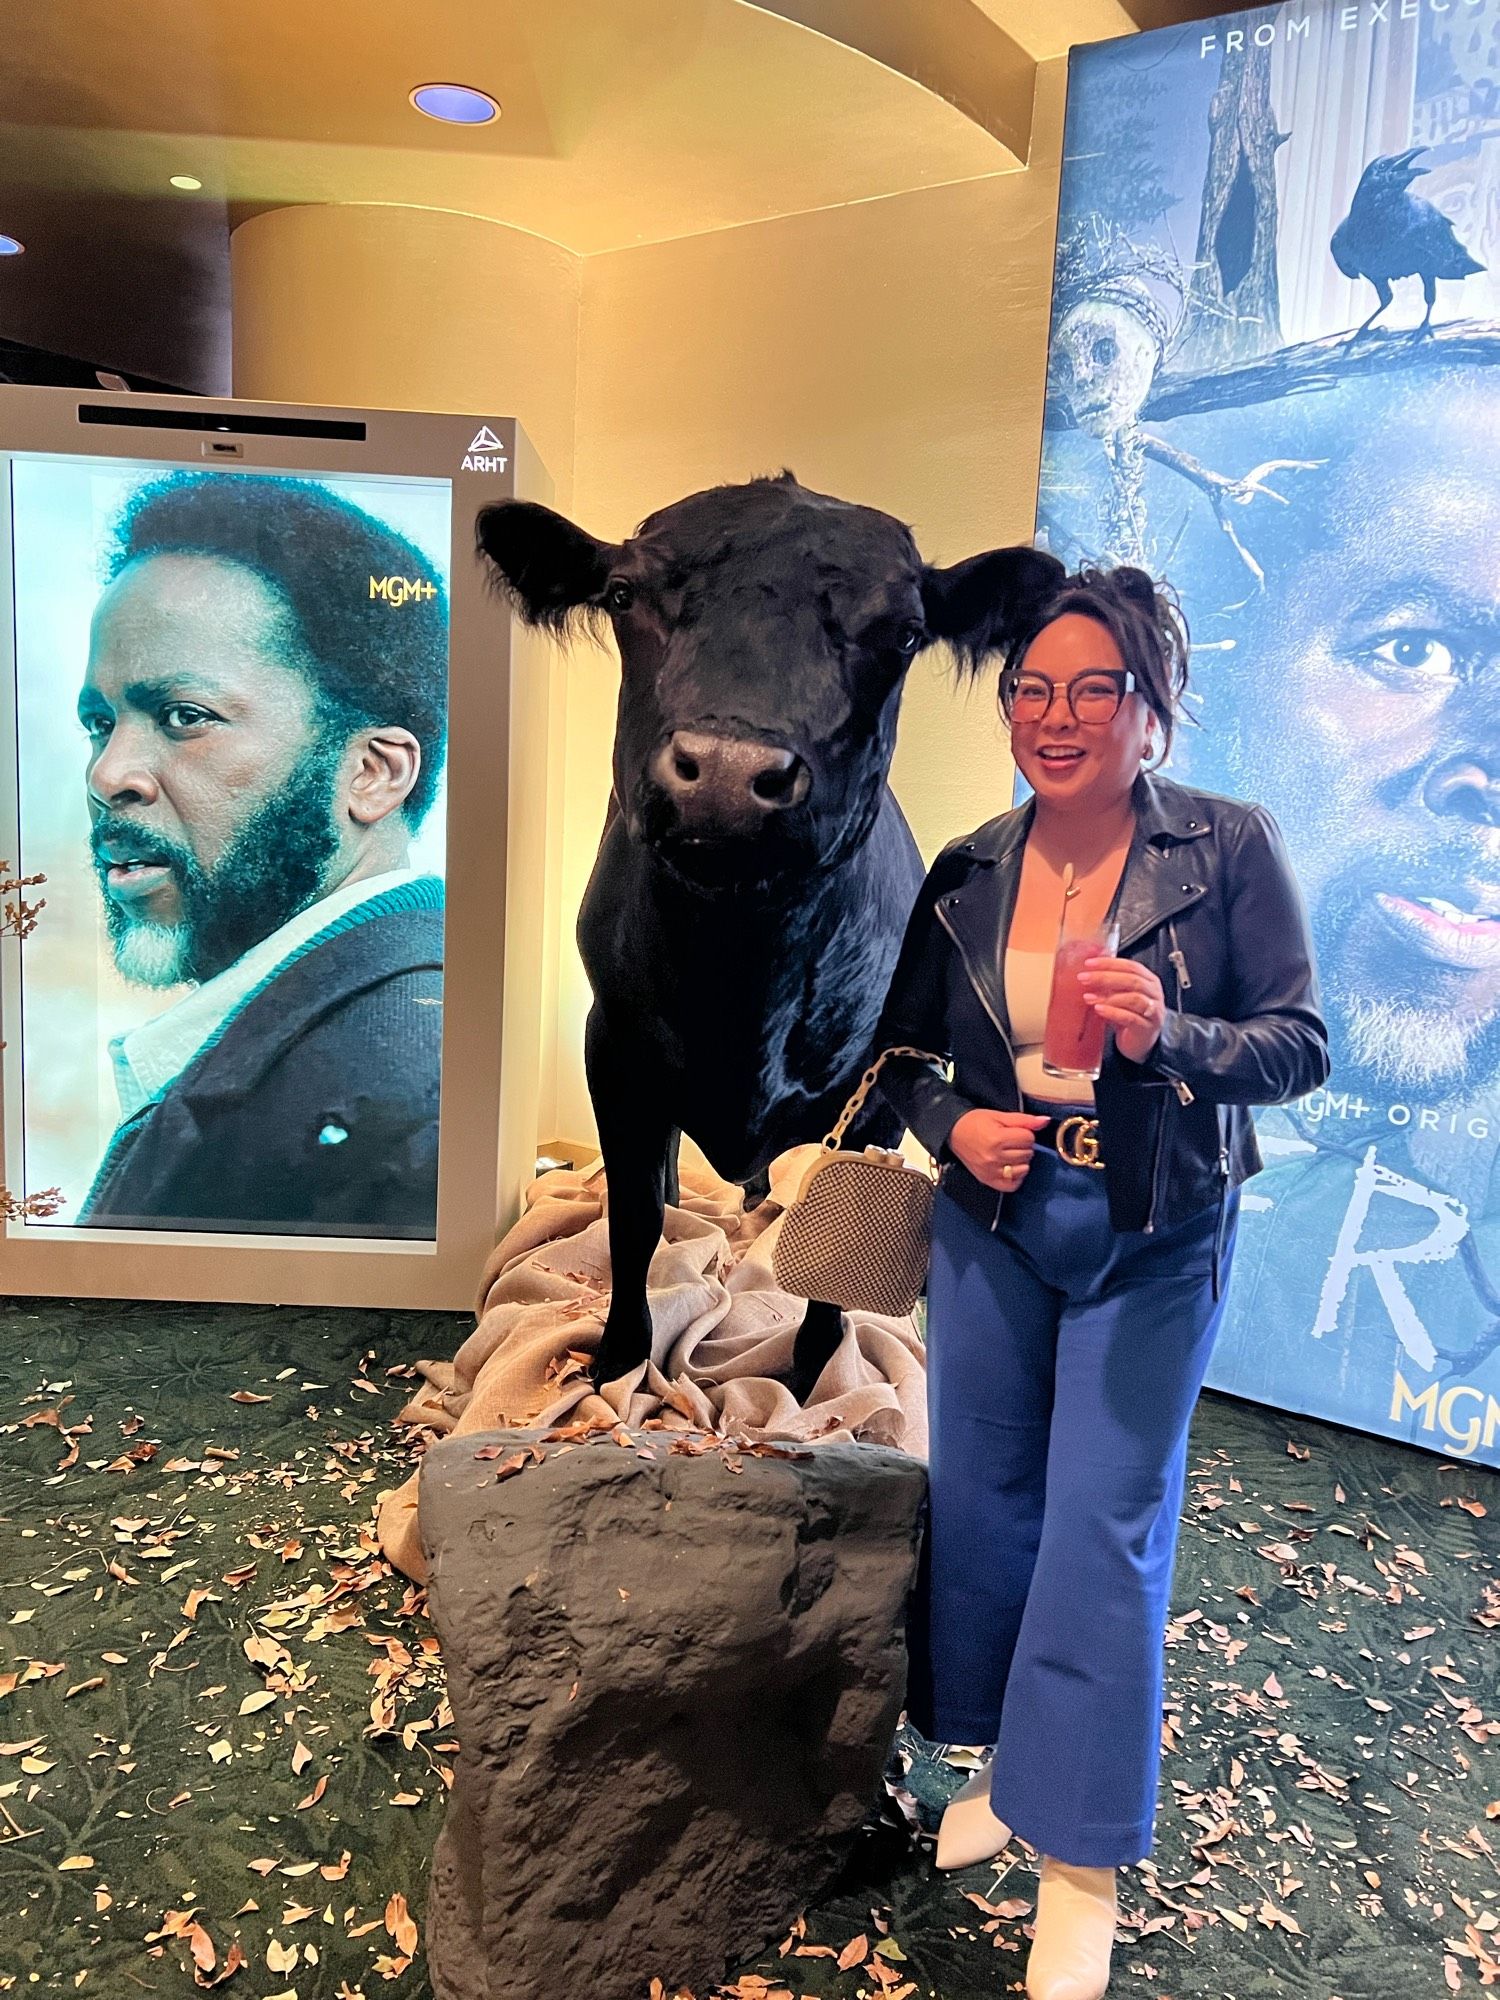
(400, 590)
(486, 453)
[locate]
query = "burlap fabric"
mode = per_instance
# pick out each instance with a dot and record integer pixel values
(723, 1335)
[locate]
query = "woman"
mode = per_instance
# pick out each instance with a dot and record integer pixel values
(1082, 1235)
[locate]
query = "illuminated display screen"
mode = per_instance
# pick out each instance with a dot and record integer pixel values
(230, 703)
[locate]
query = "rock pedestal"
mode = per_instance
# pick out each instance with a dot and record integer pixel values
(675, 1674)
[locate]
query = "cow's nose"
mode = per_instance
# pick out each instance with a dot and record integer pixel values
(728, 783)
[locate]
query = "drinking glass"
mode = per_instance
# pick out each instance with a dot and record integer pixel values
(1073, 1041)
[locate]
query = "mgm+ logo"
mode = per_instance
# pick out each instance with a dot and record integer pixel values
(399, 590)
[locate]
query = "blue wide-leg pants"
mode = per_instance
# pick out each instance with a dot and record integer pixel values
(1063, 1363)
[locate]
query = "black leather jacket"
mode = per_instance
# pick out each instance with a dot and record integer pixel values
(1209, 902)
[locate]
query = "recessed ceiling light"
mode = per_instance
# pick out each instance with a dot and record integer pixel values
(11, 246)
(454, 103)
(186, 182)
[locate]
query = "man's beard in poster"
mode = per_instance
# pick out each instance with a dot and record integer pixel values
(272, 868)
(1395, 1030)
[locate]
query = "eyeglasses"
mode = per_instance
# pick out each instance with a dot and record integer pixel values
(1091, 697)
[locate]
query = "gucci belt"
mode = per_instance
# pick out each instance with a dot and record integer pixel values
(1076, 1140)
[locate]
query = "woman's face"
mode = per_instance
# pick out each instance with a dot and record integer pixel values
(1083, 767)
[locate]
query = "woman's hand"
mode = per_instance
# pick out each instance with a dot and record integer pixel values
(996, 1146)
(1130, 997)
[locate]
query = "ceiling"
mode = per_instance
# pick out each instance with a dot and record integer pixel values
(624, 121)
(1047, 28)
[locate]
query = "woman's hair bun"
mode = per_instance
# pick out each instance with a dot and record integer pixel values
(1136, 585)
(1123, 581)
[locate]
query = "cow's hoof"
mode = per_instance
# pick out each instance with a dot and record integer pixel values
(609, 1364)
(802, 1382)
(805, 1373)
(817, 1342)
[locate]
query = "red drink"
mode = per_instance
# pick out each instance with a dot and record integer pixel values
(1073, 1045)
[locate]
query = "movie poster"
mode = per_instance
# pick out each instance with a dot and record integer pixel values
(1273, 380)
(231, 696)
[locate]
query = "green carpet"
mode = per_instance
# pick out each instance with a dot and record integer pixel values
(218, 1704)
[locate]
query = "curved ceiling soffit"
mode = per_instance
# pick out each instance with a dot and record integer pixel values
(948, 47)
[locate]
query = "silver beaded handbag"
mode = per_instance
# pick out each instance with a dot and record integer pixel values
(859, 1233)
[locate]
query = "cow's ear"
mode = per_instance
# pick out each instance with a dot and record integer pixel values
(982, 605)
(552, 571)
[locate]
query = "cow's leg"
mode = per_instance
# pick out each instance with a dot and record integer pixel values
(817, 1342)
(634, 1140)
(876, 1125)
(822, 1325)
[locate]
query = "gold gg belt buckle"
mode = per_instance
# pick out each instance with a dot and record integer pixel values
(1078, 1143)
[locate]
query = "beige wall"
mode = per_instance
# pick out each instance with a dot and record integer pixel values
(893, 352)
(409, 309)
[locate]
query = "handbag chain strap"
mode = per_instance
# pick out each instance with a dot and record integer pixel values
(867, 1082)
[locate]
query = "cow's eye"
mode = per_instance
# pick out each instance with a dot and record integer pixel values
(910, 637)
(620, 595)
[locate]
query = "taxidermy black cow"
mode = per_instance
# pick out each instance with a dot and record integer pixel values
(755, 872)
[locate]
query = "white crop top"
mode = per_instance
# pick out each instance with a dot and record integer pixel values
(1028, 986)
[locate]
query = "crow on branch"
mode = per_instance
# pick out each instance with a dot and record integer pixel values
(1391, 233)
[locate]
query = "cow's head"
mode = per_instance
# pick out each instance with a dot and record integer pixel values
(764, 634)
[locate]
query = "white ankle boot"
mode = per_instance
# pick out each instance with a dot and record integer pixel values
(969, 1832)
(1075, 1931)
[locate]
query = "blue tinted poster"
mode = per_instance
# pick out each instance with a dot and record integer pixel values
(1273, 379)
